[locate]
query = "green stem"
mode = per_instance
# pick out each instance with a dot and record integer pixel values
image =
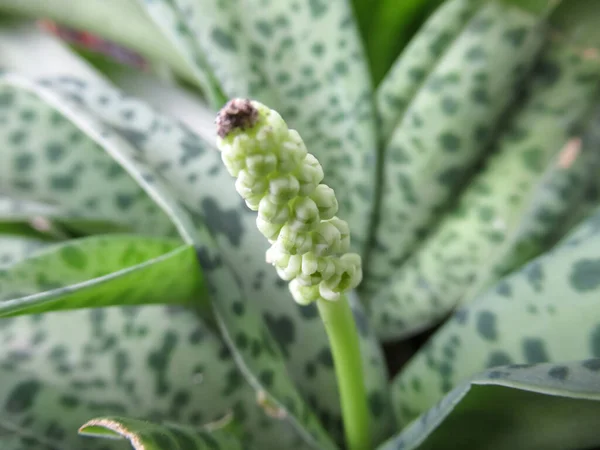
(343, 338)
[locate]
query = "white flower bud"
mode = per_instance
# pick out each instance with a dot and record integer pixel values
(326, 292)
(252, 201)
(343, 244)
(283, 188)
(294, 241)
(310, 263)
(248, 185)
(268, 229)
(292, 152)
(309, 174)
(352, 269)
(260, 165)
(326, 238)
(272, 212)
(303, 295)
(291, 268)
(304, 214)
(324, 197)
(327, 267)
(233, 165)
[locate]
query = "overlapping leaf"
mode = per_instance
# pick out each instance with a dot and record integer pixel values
(515, 407)
(155, 363)
(546, 312)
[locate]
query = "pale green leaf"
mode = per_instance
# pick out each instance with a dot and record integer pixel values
(48, 159)
(194, 173)
(515, 407)
(548, 311)
(155, 363)
(494, 219)
(144, 435)
(408, 73)
(446, 131)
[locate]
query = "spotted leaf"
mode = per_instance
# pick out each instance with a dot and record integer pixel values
(513, 407)
(153, 363)
(193, 172)
(190, 168)
(411, 68)
(101, 271)
(445, 132)
(151, 436)
(546, 312)
(493, 219)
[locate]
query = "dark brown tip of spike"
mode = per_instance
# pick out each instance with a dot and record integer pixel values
(237, 113)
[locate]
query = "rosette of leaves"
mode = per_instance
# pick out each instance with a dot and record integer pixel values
(135, 301)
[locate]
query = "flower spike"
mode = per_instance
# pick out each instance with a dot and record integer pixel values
(277, 177)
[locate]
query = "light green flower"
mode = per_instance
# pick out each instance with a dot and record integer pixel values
(277, 177)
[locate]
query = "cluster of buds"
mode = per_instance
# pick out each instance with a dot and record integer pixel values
(277, 177)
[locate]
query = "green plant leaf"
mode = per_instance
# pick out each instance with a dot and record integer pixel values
(436, 146)
(101, 271)
(391, 28)
(48, 159)
(151, 436)
(155, 363)
(546, 312)
(518, 407)
(303, 59)
(578, 19)
(408, 73)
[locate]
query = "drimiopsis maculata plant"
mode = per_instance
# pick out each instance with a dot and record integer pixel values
(277, 177)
